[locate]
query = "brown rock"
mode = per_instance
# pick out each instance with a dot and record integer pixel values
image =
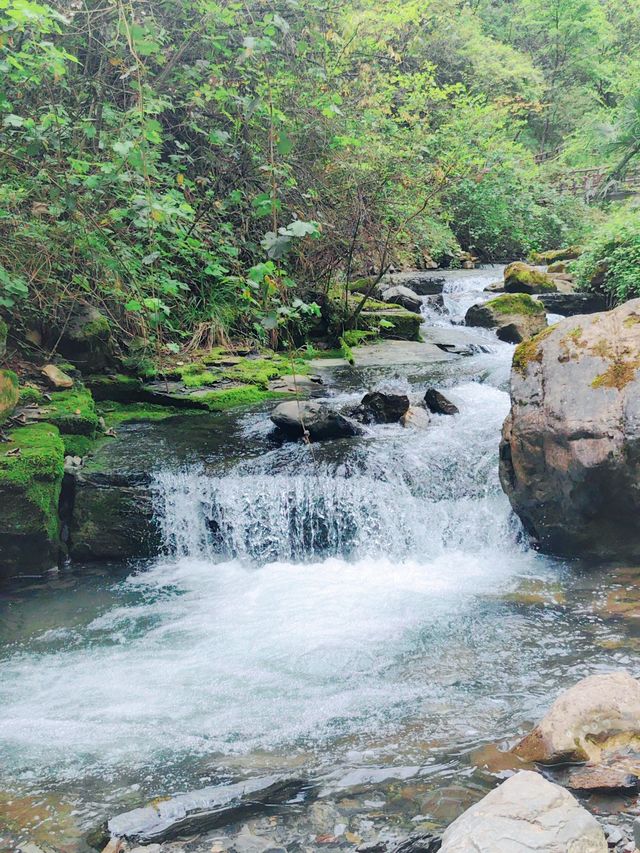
(595, 778)
(56, 378)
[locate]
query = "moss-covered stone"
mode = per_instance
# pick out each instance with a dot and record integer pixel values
(115, 413)
(119, 387)
(514, 316)
(515, 303)
(392, 322)
(73, 412)
(529, 351)
(31, 471)
(521, 278)
(242, 395)
(86, 341)
(9, 393)
(568, 253)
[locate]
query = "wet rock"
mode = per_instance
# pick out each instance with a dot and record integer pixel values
(496, 287)
(400, 295)
(296, 418)
(202, 810)
(569, 461)
(570, 304)
(425, 842)
(518, 314)
(602, 779)
(522, 278)
(416, 417)
(439, 404)
(525, 814)
(378, 407)
(420, 282)
(596, 714)
(56, 378)
(299, 384)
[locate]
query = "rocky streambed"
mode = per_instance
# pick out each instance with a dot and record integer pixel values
(335, 645)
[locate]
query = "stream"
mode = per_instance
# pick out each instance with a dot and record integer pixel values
(365, 613)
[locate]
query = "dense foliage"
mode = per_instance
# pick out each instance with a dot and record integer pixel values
(610, 263)
(199, 168)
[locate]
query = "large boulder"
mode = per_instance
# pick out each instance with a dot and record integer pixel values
(525, 814)
(521, 278)
(400, 295)
(570, 304)
(596, 714)
(515, 317)
(570, 452)
(439, 404)
(296, 419)
(378, 407)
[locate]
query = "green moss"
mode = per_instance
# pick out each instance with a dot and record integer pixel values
(31, 470)
(618, 375)
(569, 253)
(243, 395)
(519, 277)
(30, 394)
(529, 351)
(515, 303)
(73, 412)
(197, 380)
(115, 414)
(78, 445)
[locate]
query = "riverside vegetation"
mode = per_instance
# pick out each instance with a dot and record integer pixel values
(211, 212)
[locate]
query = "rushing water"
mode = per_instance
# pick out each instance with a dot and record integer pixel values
(340, 609)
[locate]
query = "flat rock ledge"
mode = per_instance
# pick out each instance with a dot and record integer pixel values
(524, 815)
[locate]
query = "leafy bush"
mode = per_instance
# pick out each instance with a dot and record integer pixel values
(610, 263)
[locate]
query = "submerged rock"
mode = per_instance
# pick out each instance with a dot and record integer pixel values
(439, 404)
(295, 419)
(424, 842)
(569, 459)
(201, 810)
(378, 407)
(595, 714)
(525, 814)
(515, 317)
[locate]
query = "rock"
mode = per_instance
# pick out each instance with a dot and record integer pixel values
(522, 278)
(56, 378)
(425, 842)
(496, 287)
(570, 304)
(9, 393)
(85, 340)
(378, 407)
(518, 314)
(201, 810)
(438, 403)
(602, 779)
(416, 417)
(568, 460)
(525, 814)
(569, 253)
(557, 267)
(395, 323)
(420, 282)
(294, 418)
(595, 714)
(299, 384)
(400, 295)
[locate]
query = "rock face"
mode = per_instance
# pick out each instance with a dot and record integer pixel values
(596, 714)
(570, 304)
(294, 418)
(85, 340)
(525, 814)
(521, 278)
(438, 403)
(377, 407)
(570, 452)
(400, 295)
(515, 317)
(9, 393)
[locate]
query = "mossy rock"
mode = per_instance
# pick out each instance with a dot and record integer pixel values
(31, 472)
(86, 340)
(393, 322)
(73, 412)
(515, 303)
(9, 393)
(118, 387)
(521, 278)
(515, 316)
(568, 253)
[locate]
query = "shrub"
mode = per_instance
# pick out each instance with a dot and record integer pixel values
(610, 263)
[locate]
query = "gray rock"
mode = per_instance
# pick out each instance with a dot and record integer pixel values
(295, 418)
(515, 317)
(400, 295)
(570, 304)
(569, 459)
(526, 814)
(419, 281)
(85, 340)
(416, 417)
(425, 842)
(378, 407)
(202, 810)
(439, 404)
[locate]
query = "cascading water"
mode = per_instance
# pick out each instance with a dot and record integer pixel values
(340, 605)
